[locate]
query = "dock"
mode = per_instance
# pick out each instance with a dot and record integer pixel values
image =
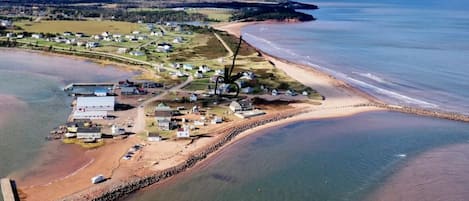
(70, 86)
(9, 190)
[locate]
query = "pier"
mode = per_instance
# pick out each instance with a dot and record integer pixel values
(70, 86)
(9, 190)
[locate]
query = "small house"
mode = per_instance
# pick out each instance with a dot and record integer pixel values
(178, 40)
(79, 35)
(217, 120)
(248, 75)
(165, 125)
(290, 92)
(10, 35)
(237, 106)
(219, 72)
(304, 93)
(105, 34)
(199, 123)
(129, 91)
(195, 109)
(89, 133)
(188, 67)
(247, 90)
(115, 130)
(137, 53)
(6, 23)
(183, 132)
(164, 47)
(92, 44)
(135, 32)
(36, 36)
(193, 98)
(154, 137)
(204, 69)
(274, 92)
(80, 43)
(198, 75)
(67, 33)
(97, 37)
(20, 36)
(163, 112)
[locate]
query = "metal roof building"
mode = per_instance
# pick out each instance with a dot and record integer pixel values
(95, 103)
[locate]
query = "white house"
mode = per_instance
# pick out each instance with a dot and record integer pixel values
(10, 35)
(5, 23)
(204, 69)
(95, 103)
(193, 98)
(305, 93)
(67, 33)
(188, 67)
(79, 35)
(92, 44)
(36, 36)
(198, 75)
(183, 132)
(105, 34)
(80, 43)
(115, 130)
(164, 47)
(154, 137)
(274, 92)
(135, 32)
(178, 40)
(236, 106)
(137, 53)
(217, 120)
(89, 133)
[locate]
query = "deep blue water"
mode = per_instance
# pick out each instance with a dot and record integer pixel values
(342, 159)
(403, 51)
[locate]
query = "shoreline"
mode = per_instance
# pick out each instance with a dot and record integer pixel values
(341, 100)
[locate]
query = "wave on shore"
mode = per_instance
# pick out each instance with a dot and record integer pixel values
(387, 94)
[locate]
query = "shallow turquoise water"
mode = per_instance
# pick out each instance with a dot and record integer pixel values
(325, 160)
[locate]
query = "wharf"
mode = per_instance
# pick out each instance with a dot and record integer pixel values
(8, 190)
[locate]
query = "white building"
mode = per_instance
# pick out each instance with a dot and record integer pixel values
(183, 132)
(154, 137)
(89, 133)
(217, 120)
(95, 103)
(92, 44)
(36, 36)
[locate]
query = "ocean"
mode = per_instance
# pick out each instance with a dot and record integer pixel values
(404, 52)
(343, 159)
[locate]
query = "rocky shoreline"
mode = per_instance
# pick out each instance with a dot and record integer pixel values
(116, 192)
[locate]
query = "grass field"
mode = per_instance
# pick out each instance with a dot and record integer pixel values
(222, 15)
(87, 27)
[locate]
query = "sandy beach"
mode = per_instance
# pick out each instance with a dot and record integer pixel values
(340, 100)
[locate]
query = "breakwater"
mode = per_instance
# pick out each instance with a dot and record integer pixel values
(118, 191)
